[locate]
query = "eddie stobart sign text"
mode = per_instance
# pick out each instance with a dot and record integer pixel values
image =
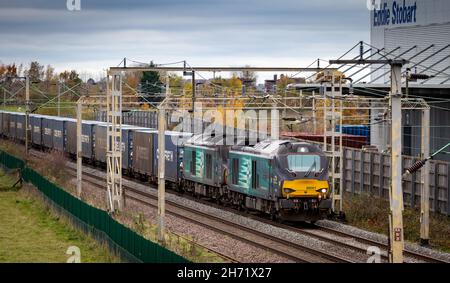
(399, 13)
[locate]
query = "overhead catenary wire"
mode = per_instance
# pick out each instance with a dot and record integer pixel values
(411, 61)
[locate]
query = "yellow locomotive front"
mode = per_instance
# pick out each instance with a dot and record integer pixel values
(302, 170)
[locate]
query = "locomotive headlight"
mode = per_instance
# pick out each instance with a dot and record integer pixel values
(288, 191)
(323, 191)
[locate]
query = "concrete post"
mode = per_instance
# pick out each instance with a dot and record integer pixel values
(425, 176)
(27, 112)
(162, 166)
(59, 99)
(161, 175)
(396, 193)
(79, 148)
(314, 112)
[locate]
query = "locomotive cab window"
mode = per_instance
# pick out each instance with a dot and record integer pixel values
(304, 163)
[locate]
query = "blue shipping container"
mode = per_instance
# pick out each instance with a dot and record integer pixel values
(174, 142)
(36, 129)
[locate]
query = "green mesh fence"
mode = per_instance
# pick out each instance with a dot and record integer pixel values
(138, 247)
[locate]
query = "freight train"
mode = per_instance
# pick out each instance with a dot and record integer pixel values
(285, 179)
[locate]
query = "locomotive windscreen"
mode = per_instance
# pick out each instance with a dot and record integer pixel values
(304, 163)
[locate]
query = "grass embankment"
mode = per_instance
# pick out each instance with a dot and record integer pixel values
(67, 109)
(371, 213)
(53, 169)
(31, 232)
(186, 246)
(11, 108)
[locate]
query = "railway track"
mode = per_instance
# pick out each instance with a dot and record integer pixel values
(292, 251)
(382, 246)
(355, 243)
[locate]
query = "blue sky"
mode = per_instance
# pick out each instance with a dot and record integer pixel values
(203, 32)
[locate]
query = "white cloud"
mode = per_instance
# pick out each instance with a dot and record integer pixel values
(255, 32)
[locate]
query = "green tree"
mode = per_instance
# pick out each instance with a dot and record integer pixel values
(49, 73)
(70, 77)
(8, 70)
(35, 72)
(282, 84)
(151, 85)
(176, 84)
(248, 78)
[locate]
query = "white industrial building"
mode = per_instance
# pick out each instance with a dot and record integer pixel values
(418, 30)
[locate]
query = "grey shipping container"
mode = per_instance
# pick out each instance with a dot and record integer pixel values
(128, 133)
(127, 143)
(147, 119)
(87, 137)
(36, 129)
(58, 129)
(174, 142)
(100, 145)
(71, 133)
(12, 126)
(20, 127)
(47, 133)
(143, 158)
(5, 126)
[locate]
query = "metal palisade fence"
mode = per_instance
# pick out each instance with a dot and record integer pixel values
(94, 220)
(369, 172)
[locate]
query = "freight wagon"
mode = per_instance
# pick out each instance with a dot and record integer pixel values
(5, 124)
(58, 126)
(36, 130)
(13, 125)
(20, 126)
(100, 137)
(174, 142)
(87, 138)
(283, 178)
(355, 130)
(347, 140)
(143, 155)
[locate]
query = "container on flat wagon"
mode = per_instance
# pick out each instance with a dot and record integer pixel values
(36, 129)
(100, 146)
(128, 133)
(347, 140)
(356, 130)
(87, 137)
(47, 132)
(100, 131)
(58, 125)
(20, 126)
(12, 125)
(6, 123)
(143, 154)
(174, 142)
